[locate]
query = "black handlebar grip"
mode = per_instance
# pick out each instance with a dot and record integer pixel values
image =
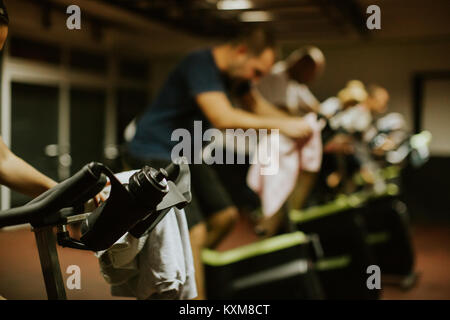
(41, 210)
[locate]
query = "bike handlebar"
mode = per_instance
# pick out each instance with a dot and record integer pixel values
(136, 206)
(72, 192)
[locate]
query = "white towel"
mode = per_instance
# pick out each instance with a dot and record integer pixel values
(274, 189)
(155, 266)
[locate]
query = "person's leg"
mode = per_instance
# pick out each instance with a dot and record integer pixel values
(215, 203)
(198, 235)
(233, 178)
(305, 183)
(268, 227)
(219, 224)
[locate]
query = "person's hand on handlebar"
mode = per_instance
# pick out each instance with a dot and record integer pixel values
(99, 198)
(296, 128)
(340, 144)
(75, 228)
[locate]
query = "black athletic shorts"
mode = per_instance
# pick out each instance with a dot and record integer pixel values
(208, 194)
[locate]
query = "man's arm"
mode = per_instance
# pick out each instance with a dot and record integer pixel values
(307, 100)
(218, 109)
(255, 102)
(20, 176)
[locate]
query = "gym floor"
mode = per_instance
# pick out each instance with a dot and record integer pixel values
(21, 278)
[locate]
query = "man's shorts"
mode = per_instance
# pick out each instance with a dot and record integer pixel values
(208, 194)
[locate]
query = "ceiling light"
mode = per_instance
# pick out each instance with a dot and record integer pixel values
(255, 16)
(234, 4)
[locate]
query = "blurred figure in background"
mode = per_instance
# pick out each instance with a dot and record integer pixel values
(201, 88)
(287, 87)
(14, 172)
(351, 117)
(377, 100)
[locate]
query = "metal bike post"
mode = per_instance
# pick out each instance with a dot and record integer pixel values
(46, 243)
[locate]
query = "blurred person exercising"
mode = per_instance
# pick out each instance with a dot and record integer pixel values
(201, 87)
(354, 111)
(287, 87)
(14, 172)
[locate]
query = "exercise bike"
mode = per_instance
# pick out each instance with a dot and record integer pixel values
(135, 207)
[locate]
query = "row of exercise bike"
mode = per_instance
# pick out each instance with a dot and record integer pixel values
(326, 251)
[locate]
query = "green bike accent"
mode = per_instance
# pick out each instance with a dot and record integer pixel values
(338, 205)
(341, 203)
(333, 263)
(216, 258)
(391, 172)
(375, 238)
(387, 173)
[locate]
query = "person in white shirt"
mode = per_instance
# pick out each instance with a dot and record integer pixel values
(354, 111)
(287, 84)
(287, 87)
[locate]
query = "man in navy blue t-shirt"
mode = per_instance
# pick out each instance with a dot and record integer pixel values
(200, 88)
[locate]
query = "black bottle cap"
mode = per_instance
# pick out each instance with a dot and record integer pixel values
(149, 185)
